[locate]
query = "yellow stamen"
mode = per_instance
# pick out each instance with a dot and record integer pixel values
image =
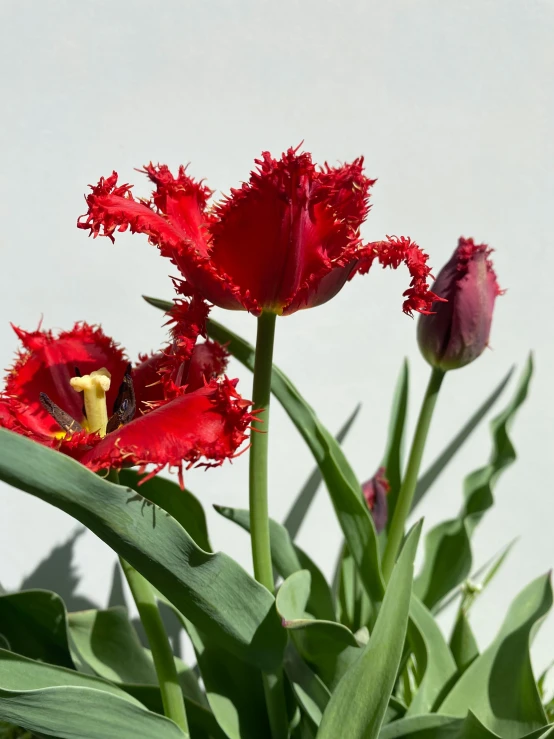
(94, 388)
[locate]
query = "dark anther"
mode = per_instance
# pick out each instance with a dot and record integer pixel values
(125, 404)
(63, 419)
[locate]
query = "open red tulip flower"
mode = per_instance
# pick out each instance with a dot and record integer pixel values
(287, 239)
(76, 391)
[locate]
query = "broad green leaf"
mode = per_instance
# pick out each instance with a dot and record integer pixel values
(359, 702)
(433, 726)
(448, 556)
(463, 643)
(202, 723)
(33, 623)
(345, 491)
(212, 590)
(181, 504)
(310, 691)
(108, 643)
(301, 505)
(20, 673)
(499, 686)
(392, 459)
(234, 689)
(326, 645)
(432, 473)
(288, 558)
(435, 663)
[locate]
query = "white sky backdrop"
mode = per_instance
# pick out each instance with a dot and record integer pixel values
(451, 103)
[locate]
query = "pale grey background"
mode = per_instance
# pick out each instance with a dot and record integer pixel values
(451, 103)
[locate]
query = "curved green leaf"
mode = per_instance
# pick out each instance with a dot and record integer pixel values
(499, 686)
(310, 691)
(433, 726)
(432, 473)
(33, 623)
(212, 590)
(463, 643)
(359, 702)
(448, 556)
(392, 459)
(108, 643)
(234, 689)
(288, 558)
(301, 505)
(181, 504)
(435, 662)
(345, 491)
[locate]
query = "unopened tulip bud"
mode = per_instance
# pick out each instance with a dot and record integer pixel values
(458, 330)
(375, 492)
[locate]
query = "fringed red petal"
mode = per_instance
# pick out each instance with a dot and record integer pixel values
(394, 251)
(287, 239)
(208, 424)
(47, 363)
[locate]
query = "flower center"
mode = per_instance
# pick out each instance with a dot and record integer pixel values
(94, 388)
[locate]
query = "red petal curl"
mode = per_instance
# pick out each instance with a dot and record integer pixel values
(179, 229)
(209, 423)
(394, 251)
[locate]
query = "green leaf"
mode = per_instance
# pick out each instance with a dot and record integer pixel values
(33, 623)
(463, 643)
(345, 491)
(164, 305)
(358, 704)
(435, 663)
(310, 691)
(327, 645)
(301, 505)
(108, 643)
(181, 504)
(437, 727)
(392, 459)
(202, 723)
(212, 590)
(430, 475)
(499, 686)
(448, 556)
(288, 558)
(234, 689)
(70, 705)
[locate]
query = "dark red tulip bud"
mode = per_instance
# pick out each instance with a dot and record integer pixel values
(375, 492)
(458, 330)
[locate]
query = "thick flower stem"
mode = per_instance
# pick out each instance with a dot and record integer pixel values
(164, 664)
(172, 696)
(259, 514)
(261, 393)
(409, 482)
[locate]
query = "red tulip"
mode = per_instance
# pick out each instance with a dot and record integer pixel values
(173, 407)
(458, 330)
(287, 239)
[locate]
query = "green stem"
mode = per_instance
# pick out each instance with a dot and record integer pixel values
(259, 512)
(261, 393)
(407, 489)
(164, 664)
(172, 696)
